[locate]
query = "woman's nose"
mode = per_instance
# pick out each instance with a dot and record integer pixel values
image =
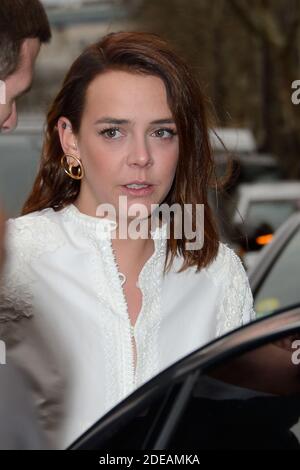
(140, 152)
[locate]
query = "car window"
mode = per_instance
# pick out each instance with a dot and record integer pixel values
(252, 172)
(250, 401)
(271, 213)
(280, 288)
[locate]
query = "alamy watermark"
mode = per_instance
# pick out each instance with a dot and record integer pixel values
(2, 353)
(2, 92)
(296, 354)
(296, 94)
(134, 221)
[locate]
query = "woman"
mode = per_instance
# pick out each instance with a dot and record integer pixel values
(89, 315)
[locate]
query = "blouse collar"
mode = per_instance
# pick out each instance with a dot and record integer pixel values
(99, 225)
(151, 275)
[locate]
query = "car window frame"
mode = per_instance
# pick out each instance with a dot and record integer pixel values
(270, 254)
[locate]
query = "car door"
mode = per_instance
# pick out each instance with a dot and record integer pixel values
(240, 392)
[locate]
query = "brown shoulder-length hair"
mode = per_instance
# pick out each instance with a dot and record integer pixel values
(145, 53)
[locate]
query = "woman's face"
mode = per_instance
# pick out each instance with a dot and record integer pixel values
(119, 141)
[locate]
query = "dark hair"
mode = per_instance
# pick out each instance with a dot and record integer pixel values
(143, 53)
(20, 20)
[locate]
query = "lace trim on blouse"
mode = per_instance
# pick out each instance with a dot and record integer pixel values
(27, 239)
(236, 307)
(120, 376)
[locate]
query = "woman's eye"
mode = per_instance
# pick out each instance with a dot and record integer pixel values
(160, 133)
(109, 133)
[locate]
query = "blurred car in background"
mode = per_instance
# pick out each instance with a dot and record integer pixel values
(275, 279)
(260, 210)
(238, 148)
(249, 165)
(239, 392)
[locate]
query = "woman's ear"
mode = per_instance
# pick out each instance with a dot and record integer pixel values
(67, 138)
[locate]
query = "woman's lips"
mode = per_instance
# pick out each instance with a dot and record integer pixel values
(138, 192)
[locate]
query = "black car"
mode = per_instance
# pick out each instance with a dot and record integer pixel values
(242, 391)
(275, 278)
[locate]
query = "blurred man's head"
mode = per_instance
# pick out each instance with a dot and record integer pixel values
(24, 26)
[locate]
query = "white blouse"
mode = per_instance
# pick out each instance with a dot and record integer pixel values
(64, 318)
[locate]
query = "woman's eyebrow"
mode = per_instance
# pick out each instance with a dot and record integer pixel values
(111, 120)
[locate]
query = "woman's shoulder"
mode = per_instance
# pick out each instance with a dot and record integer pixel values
(27, 239)
(225, 262)
(237, 305)
(30, 235)
(231, 286)
(33, 220)
(226, 265)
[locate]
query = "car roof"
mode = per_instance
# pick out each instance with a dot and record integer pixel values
(270, 190)
(235, 139)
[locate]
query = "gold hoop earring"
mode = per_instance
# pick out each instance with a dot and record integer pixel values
(69, 169)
